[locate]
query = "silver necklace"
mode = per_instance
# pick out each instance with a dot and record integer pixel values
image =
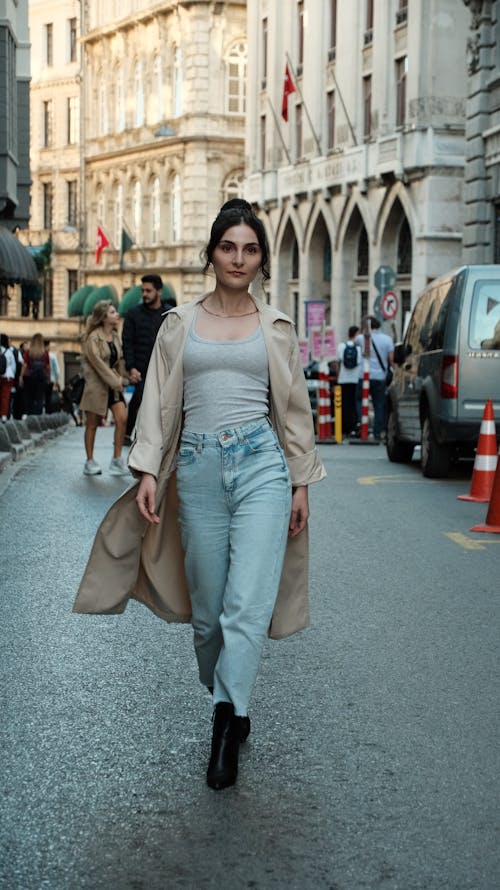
(217, 314)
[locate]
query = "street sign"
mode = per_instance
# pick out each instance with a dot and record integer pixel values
(389, 304)
(384, 278)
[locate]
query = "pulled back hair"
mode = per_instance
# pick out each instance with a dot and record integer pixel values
(232, 213)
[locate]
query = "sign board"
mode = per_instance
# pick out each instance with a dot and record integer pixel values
(322, 343)
(304, 351)
(384, 278)
(315, 313)
(389, 304)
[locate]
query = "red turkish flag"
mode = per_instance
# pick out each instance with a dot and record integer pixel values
(288, 88)
(100, 243)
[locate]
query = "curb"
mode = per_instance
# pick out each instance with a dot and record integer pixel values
(20, 437)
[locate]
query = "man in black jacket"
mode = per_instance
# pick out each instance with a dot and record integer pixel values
(140, 328)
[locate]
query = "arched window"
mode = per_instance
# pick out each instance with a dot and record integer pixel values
(176, 219)
(118, 214)
(139, 95)
(404, 249)
(120, 100)
(363, 253)
(236, 78)
(103, 106)
(327, 259)
(233, 186)
(295, 261)
(155, 212)
(178, 83)
(158, 87)
(137, 211)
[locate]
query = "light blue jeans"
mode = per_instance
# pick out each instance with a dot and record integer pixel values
(234, 508)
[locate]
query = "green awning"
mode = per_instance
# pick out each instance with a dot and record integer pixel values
(130, 299)
(76, 301)
(17, 266)
(106, 292)
(133, 297)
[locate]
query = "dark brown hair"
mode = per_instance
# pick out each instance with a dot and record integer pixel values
(232, 213)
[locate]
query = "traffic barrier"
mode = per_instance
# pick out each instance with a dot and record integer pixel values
(492, 523)
(324, 404)
(337, 405)
(486, 460)
(365, 399)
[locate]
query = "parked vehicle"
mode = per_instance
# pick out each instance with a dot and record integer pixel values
(445, 369)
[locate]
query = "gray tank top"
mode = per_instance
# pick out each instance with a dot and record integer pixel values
(226, 382)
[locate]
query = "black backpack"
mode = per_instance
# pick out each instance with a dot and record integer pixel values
(350, 357)
(3, 363)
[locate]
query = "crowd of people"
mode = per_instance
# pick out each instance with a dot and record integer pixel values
(29, 378)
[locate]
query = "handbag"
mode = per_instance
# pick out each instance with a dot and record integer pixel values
(77, 384)
(388, 371)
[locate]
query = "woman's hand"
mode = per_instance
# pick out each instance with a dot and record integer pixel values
(146, 498)
(300, 511)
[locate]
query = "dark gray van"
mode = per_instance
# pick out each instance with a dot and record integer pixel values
(446, 368)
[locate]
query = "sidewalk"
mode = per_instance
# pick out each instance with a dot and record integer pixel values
(18, 437)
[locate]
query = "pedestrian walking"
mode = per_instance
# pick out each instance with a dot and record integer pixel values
(381, 361)
(35, 375)
(53, 384)
(224, 452)
(7, 375)
(140, 327)
(105, 380)
(350, 361)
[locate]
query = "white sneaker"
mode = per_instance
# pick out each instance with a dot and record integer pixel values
(117, 467)
(91, 468)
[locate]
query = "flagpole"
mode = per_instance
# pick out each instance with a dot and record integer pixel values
(353, 134)
(280, 134)
(297, 87)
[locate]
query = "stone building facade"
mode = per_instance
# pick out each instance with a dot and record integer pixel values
(14, 114)
(367, 173)
(482, 154)
(138, 125)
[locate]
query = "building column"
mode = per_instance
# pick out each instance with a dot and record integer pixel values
(480, 59)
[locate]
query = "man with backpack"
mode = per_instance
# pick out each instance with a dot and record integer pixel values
(349, 357)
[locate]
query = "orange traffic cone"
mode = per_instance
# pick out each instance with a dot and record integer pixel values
(486, 460)
(492, 523)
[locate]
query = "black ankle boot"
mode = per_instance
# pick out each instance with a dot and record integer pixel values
(223, 765)
(244, 727)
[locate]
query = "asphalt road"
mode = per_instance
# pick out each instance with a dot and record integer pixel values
(373, 759)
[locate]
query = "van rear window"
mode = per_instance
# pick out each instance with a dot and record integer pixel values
(485, 312)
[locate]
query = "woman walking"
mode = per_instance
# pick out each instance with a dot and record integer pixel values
(105, 380)
(35, 375)
(226, 407)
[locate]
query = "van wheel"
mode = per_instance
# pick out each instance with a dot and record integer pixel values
(397, 451)
(435, 457)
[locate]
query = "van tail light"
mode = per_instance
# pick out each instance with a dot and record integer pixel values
(449, 377)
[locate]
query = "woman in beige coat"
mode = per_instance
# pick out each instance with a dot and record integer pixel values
(224, 451)
(105, 380)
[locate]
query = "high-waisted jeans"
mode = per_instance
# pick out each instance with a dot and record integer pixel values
(234, 508)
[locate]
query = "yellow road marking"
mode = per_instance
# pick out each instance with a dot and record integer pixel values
(373, 480)
(470, 543)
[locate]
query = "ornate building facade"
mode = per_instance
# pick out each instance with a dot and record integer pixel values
(367, 172)
(138, 124)
(482, 154)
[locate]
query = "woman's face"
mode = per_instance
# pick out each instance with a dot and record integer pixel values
(112, 316)
(237, 257)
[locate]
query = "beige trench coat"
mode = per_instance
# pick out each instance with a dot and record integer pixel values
(99, 377)
(131, 558)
